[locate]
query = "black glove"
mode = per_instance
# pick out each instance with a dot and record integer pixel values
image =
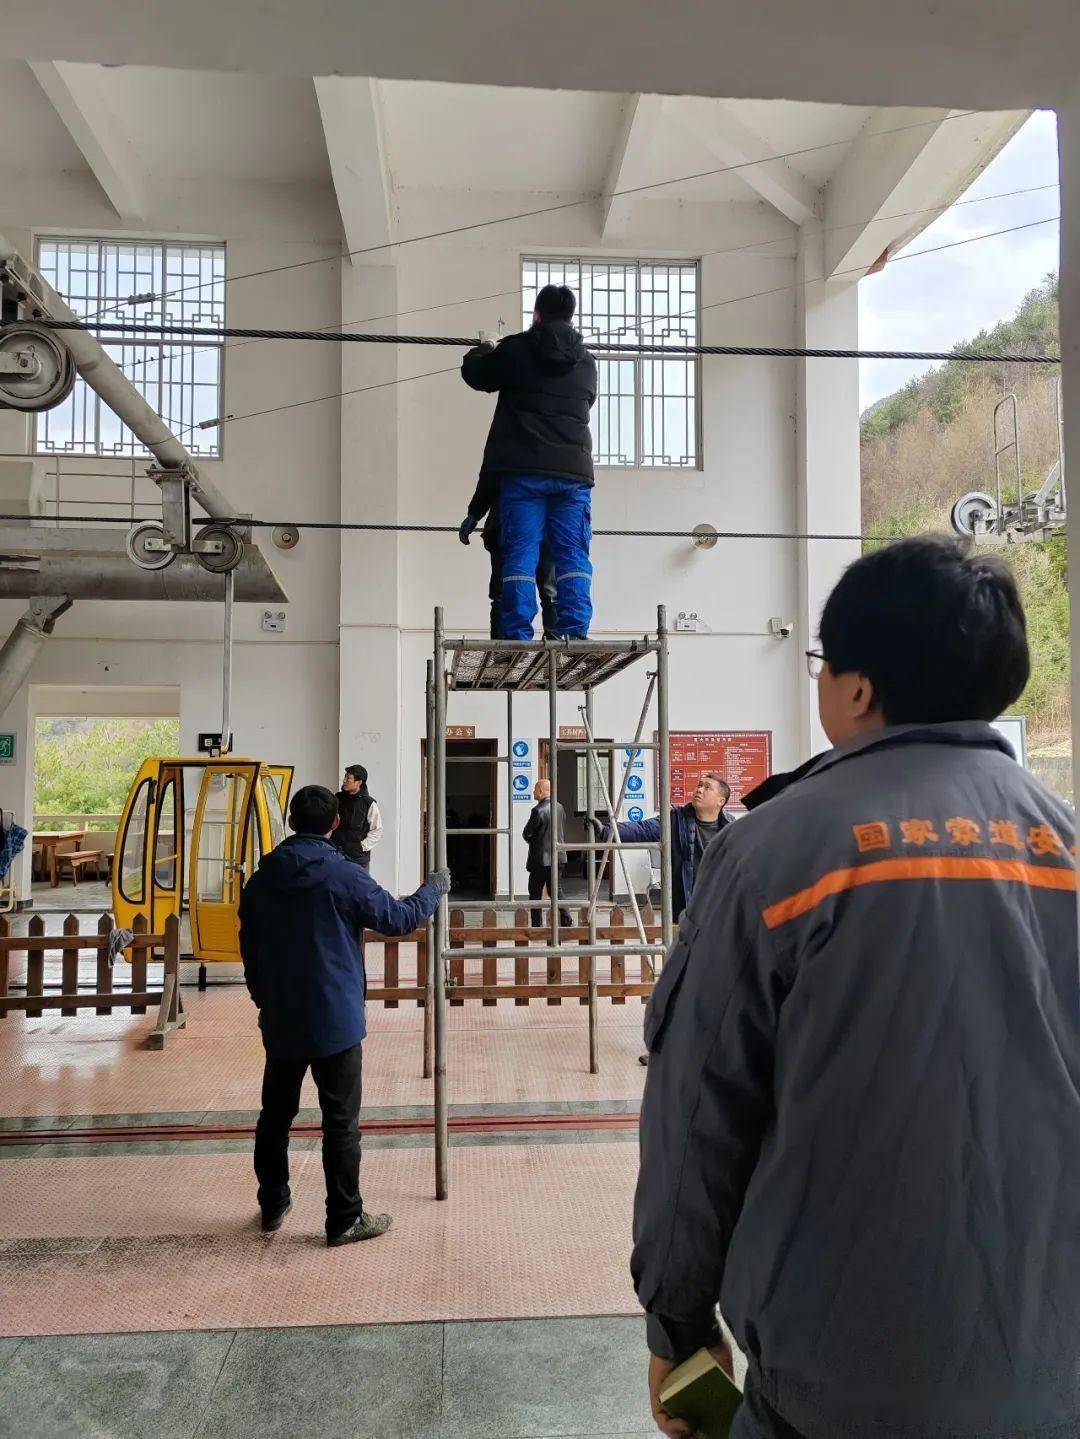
(465, 529)
(441, 878)
(597, 826)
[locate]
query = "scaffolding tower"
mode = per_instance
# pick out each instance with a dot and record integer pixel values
(538, 666)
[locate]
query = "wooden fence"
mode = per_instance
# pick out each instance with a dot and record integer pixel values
(104, 997)
(492, 980)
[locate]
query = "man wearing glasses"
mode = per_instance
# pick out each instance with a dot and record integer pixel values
(858, 1134)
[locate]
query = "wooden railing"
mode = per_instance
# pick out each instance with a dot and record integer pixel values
(96, 822)
(104, 997)
(492, 980)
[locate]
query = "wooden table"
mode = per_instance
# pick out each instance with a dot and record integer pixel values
(48, 839)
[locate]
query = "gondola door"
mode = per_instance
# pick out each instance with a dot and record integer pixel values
(219, 833)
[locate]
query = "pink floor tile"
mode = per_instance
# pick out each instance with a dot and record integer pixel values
(96, 1064)
(148, 1243)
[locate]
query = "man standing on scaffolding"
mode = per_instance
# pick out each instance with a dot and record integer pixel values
(540, 446)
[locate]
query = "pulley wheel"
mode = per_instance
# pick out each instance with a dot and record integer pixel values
(969, 510)
(142, 549)
(52, 377)
(218, 561)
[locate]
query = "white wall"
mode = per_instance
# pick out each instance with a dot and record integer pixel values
(410, 452)
(731, 675)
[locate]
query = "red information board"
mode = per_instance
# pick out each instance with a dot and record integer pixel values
(742, 757)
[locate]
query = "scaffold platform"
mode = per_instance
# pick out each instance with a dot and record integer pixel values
(460, 664)
(526, 664)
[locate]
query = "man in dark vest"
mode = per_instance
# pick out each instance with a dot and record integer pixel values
(361, 824)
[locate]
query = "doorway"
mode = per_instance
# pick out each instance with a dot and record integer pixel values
(471, 803)
(572, 797)
(87, 745)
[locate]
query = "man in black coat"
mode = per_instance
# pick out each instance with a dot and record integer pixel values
(540, 446)
(360, 828)
(540, 830)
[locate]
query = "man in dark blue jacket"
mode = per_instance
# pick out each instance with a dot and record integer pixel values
(693, 827)
(302, 918)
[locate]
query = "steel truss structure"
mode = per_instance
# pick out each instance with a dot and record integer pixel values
(539, 666)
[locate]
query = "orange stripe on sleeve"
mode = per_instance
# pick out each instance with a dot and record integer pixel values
(885, 871)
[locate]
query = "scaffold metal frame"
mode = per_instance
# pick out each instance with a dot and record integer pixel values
(538, 666)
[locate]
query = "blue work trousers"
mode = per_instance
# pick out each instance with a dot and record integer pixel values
(555, 514)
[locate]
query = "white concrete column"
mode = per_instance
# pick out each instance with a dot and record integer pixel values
(827, 451)
(1069, 159)
(369, 720)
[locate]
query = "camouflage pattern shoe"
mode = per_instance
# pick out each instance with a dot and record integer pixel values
(368, 1226)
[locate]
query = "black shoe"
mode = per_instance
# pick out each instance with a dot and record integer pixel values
(368, 1226)
(272, 1222)
(643, 1059)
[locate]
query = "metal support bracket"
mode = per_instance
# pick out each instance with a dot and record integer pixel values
(20, 363)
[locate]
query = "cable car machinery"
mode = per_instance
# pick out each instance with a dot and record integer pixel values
(991, 519)
(38, 369)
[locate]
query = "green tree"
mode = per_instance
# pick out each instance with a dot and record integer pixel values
(87, 766)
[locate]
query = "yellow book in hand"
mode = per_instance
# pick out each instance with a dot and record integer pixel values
(700, 1393)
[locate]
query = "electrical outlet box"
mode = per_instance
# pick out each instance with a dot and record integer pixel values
(686, 623)
(273, 621)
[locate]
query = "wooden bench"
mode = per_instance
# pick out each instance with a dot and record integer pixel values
(78, 859)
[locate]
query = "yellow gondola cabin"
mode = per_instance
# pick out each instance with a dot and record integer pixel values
(191, 832)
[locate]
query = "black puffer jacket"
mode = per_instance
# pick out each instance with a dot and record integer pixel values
(546, 382)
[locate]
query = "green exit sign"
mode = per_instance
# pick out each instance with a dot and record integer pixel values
(7, 749)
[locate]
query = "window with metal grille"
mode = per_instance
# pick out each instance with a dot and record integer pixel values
(647, 406)
(141, 284)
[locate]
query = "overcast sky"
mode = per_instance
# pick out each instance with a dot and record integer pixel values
(933, 302)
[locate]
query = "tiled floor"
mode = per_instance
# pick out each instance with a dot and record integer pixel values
(151, 1242)
(477, 1316)
(96, 1064)
(539, 1379)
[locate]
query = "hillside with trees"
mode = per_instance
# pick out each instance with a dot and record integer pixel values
(932, 441)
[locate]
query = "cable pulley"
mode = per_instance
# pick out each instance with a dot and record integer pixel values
(148, 547)
(218, 548)
(37, 370)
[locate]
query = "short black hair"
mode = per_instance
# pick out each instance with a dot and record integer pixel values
(724, 787)
(313, 810)
(357, 771)
(937, 627)
(555, 302)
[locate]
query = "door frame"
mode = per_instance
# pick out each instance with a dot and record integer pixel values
(493, 862)
(235, 859)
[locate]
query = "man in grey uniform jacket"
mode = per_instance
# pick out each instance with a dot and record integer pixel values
(861, 1127)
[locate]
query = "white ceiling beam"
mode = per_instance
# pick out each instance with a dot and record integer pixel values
(731, 140)
(77, 94)
(904, 169)
(628, 167)
(352, 120)
(961, 52)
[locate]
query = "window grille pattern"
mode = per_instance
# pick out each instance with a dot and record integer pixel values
(647, 406)
(179, 378)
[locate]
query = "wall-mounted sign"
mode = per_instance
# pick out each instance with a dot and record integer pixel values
(636, 813)
(573, 731)
(521, 761)
(460, 731)
(742, 757)
(7, 749)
